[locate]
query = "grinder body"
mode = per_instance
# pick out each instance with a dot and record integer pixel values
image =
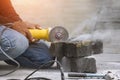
(54, 34)
(40, 33)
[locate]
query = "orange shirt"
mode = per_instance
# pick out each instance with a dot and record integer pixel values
(7, 12)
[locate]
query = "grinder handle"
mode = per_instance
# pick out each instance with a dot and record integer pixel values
(40, 33)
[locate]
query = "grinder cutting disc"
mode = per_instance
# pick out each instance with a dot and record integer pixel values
(58, 34)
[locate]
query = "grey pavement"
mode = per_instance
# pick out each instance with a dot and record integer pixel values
(105, 63)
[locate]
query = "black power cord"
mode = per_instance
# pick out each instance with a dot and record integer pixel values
(18, 65)
(41, 78)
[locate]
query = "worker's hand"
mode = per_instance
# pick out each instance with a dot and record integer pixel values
(32, 26)
(23, 28)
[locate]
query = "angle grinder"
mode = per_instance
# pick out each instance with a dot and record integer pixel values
(55, 34)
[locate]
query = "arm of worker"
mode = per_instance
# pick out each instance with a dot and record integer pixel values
(7, 12)
(20, 26)
(23, 28)
(5, 20)
(9, 15)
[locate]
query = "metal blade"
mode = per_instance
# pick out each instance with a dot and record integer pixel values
(58, 33)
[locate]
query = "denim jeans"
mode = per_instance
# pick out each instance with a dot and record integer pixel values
(17, 46)
(12, 42)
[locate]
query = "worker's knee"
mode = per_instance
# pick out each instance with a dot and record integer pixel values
(13, 43)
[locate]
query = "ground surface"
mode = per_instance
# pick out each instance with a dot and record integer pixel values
(105, 62)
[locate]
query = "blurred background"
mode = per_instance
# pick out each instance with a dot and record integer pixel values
(96, 19)
(48, 13)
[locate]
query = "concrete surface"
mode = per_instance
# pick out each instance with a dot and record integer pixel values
(105, 62)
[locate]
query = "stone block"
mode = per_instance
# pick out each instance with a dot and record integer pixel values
(71, 49)
(97, 47)
(72, 55)
(83, 65)
(57, 49)
(77, 49)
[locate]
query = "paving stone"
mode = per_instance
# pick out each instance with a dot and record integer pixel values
(87, 65)
(97, 47)
(57, 49)
(71, 49)
(72, 55)
(76, 49)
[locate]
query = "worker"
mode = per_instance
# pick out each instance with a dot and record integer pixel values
(17, 42)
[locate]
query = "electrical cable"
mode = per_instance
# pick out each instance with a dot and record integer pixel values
(60, 67)
(18, 65)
